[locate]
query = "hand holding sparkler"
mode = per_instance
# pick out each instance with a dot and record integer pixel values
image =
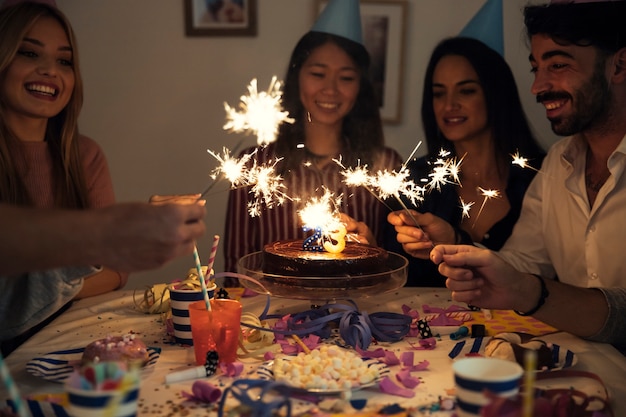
(419, 241)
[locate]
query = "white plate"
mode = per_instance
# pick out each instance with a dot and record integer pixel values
(562, 357)
(265, 371)
(57, 366)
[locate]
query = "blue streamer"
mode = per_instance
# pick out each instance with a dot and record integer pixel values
(355, 328)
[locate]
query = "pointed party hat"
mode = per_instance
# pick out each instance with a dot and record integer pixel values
(342, 18)
(486, 26)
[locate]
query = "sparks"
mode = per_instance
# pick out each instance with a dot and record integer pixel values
(261, 113)
(487, 194)
(396, 184)
(322, 212)
(466, 208)
(521, 161)
(266, 186)
(233, 169)
(445, 171)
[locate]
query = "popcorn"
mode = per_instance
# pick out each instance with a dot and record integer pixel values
(327, 368)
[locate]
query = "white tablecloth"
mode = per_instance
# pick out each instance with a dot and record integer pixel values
(115, 314)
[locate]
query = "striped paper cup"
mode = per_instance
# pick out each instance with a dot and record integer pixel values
(473, 376)
(179, 302)
(89, 403)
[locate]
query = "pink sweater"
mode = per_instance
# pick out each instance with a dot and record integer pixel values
(36, 171)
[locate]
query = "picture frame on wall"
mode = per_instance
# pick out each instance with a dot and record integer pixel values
(384, 36)
(220, 17)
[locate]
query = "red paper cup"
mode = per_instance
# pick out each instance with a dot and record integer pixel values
(218, 329)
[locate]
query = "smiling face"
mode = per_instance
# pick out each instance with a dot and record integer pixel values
(329, 84)
(458, 99)
(40, 80)
(570, 82)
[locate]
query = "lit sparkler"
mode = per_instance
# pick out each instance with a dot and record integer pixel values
(466, 208)
(321, 214)
(487, 194)
(267, 188)
(521, 161)
(261, 113)
(233, 169)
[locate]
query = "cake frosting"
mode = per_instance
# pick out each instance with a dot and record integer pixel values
(126, 348)
(287, 258)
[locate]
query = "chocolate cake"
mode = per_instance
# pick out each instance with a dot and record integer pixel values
(284, 259)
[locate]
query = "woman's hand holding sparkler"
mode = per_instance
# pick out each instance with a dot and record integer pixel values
(358, 231)
(416, 240)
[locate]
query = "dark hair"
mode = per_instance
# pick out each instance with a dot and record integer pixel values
(505, 116)
(362, 126)
(599, 24)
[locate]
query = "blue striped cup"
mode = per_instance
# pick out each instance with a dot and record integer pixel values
(90, 403)
(179, 303)
(472, 376)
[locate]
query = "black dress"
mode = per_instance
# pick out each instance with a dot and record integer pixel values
(445, 203)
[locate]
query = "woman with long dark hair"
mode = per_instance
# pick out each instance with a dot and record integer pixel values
(470, 109)
(329, 94)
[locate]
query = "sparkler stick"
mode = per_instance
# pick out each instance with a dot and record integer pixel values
(412, 153)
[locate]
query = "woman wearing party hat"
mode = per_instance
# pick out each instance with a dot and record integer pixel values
(329, 94)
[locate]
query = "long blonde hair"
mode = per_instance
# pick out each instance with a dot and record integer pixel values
(62, 129)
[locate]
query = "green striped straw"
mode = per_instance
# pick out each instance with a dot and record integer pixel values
(14, 393)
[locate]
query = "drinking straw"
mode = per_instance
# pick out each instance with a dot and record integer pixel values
(14, 393)
(530, 364)
(216, 241)
(205, 293)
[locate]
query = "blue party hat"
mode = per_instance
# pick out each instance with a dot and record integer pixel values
(486, 26)
(342, 18)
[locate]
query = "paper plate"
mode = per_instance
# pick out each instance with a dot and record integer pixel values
(265, 371)
(57, 366)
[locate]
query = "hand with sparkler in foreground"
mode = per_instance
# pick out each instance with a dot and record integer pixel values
(419, 241)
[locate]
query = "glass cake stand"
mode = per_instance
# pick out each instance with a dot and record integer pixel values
(323, 288)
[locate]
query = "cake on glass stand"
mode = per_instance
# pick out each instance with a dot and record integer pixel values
(320, 289)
